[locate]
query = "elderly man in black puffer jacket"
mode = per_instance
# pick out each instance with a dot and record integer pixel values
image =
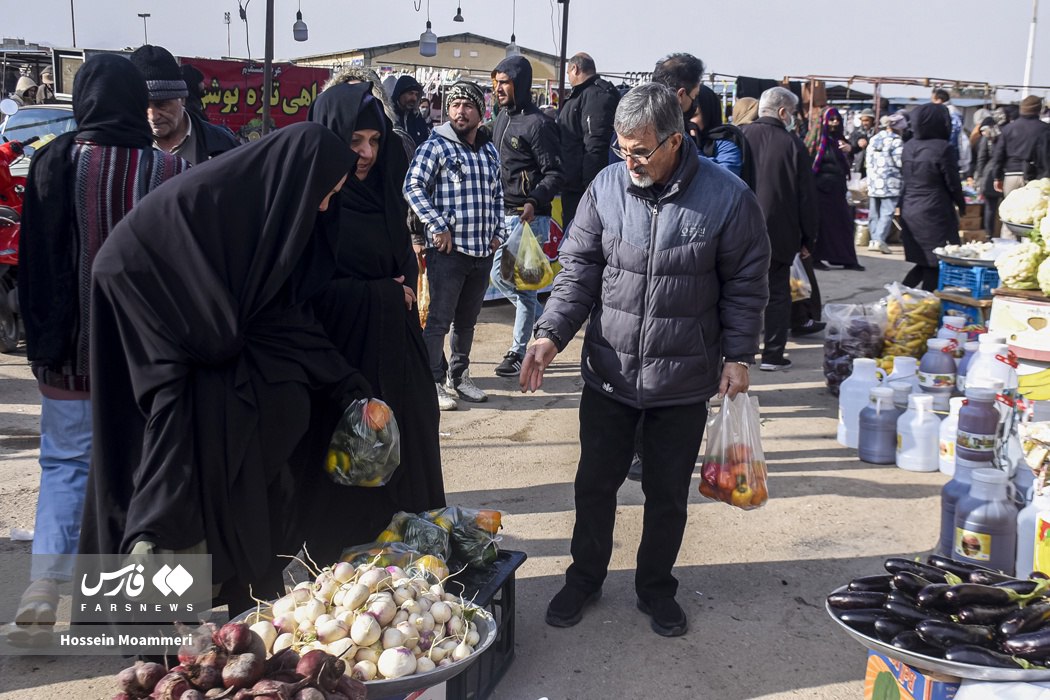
(668, 256)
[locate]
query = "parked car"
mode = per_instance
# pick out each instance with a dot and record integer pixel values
(43, 121)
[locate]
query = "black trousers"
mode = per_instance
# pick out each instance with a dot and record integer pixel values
(671, 441)
(929, 276)
(778, 312)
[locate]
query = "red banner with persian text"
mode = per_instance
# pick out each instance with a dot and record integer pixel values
(233, 94)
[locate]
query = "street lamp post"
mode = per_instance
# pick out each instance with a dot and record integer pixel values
(145, 36)
(267, 122)
(73, 23)
(1030, 58)
(564, 50)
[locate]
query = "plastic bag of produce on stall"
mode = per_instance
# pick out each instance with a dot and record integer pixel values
(473, 533)
(854, 330)
(912, 317)
(418, 533)
(801, 289)
(734, 470)
(380, 554)
(366, 445)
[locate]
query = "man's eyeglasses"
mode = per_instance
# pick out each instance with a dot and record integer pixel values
(637, 157)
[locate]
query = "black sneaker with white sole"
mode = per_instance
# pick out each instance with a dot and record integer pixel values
(775, 365)
(511, 365)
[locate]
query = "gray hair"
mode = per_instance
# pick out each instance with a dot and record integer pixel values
(771, 101)
(649, 106)
(357, 74)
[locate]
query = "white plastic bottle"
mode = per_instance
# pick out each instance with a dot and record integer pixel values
(853, 397)
(948, 432)
(992, 361)
(918, 435)
(1026, 532)
(905, 369)
(952, 329)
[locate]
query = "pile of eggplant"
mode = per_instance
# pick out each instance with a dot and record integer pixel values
(952, 610)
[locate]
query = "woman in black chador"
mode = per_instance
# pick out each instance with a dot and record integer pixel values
(369, 313)
(208, 366)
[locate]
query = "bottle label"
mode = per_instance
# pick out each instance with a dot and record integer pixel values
(937, 381)
(900, 441)
(947, 449)
(972, 545)
(979, 442)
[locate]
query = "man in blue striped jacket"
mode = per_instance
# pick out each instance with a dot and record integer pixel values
(453, 186)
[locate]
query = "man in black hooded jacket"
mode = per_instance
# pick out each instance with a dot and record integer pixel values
(530, 166)
(585, 123)
(407, 92)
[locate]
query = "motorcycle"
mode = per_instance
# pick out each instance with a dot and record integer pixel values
(11, 191)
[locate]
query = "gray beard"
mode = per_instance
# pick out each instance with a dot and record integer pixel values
(642, 181)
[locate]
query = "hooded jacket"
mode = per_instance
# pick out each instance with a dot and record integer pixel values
(586, 127)
(1013, 149)
(930, 188)
(528, 144)
(412, 122)
(672, 282)
(452, 185)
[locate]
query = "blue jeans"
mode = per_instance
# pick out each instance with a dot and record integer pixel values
(527, 306)
(880, 217)
(65, 451)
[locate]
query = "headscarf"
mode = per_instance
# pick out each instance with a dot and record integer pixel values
(379, 195)
(745, 111)
(202, 354)
(109, 104)
(929, 121)
(710, 108)
(829, 141)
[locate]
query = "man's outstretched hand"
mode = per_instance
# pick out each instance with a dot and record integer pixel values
(540, 354)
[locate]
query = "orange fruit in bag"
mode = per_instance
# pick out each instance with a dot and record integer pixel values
(377, 414)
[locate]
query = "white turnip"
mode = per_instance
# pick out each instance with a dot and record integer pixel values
(403, 593)
(366, 654)
(392, 637)
(462, 651)
(366, 630)
(412, 607)
(355, 596)
(344, 572)
(396, 572)
(441, 612)
(374, 579)
(342, 648)
(309, 611)
(266, 631)
(472, 638)
(423, 664)
(396, 662)
(401, 616)
(331, 630)
(283, 606)
(384, 610)
(364, 670)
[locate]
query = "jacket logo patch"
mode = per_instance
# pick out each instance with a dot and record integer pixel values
(607, 387)
(514, 142)
(692, 232)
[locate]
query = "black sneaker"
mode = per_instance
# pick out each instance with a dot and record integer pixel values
(666, 616)
(810, 328)
(775, 365)
(567, 605)
(510, 366)
(635, 472)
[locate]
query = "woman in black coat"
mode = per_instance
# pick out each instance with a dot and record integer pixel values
(931, 191)
(369, 313)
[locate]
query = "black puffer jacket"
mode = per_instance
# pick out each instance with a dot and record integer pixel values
(1013, 149)
(672, 283)
(411, 122)
(212, 139)
(586, 126)
(528, 144)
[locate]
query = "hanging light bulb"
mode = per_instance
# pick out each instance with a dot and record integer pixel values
(459, 13)
(512, 47)
(428, 41)
(299, 31)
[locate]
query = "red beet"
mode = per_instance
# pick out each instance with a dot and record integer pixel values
(321, 668)
(171, 687)
(205, 677)
(122, 696)
(243, 671)
(284, 660)
(234, 637)
(148, 675)
(213, 656)
(352, 688)
(202, 640)
(129, 683)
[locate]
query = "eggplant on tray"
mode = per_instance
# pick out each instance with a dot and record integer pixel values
(951, 616)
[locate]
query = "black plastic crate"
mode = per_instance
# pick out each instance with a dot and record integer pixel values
(492, 589)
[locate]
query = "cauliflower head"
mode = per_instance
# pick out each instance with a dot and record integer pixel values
(1026, 205)
(1043, 276)
(1019, 265)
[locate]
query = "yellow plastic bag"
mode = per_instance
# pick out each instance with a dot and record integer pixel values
(423, 297)
(532, 269)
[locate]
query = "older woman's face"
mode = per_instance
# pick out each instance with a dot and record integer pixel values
(365, 143)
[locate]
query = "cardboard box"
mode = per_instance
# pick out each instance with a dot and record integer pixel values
(884, 674)
(978, 235)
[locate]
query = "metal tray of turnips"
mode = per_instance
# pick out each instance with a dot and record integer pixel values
(399, 687)
(936, 665)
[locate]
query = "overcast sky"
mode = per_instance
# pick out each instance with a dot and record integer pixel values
(958, 39)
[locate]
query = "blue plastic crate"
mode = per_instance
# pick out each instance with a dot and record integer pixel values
(973, 314)
(977, 281)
